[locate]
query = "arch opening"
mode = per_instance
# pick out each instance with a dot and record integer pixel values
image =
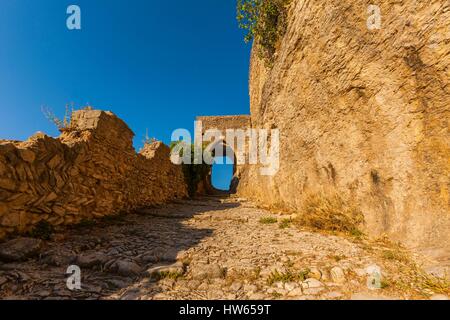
(222, 177)
(222, 173)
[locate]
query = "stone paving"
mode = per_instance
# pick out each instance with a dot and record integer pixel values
(212, 248)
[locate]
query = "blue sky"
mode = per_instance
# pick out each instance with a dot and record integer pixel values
(155, 63)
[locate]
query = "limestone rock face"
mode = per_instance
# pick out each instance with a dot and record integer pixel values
(90, 171)
(364, 112)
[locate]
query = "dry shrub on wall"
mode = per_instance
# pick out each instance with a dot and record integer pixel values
(64, 124)
(330, 212)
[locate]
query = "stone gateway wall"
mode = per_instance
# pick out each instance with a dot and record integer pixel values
(362, 112)
(224, 123)
(90, 171)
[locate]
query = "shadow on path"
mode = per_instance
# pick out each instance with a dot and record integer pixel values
(112, 254)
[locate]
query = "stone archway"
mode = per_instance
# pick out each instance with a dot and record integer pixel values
(222, 124)
(227, 152)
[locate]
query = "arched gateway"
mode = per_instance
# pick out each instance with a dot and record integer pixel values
(227, 147)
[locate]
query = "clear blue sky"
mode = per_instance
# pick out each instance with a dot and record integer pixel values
(155, 63)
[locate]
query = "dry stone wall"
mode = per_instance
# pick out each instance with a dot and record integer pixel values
(364, 112)
(90, 171)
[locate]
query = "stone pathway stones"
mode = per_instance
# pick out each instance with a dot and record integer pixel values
(212, 248)
(19, 249)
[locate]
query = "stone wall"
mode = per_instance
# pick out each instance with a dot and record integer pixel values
(90, 171)
(223, 123)
(362, 112)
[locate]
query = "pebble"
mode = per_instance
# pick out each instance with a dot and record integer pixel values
(295, 292)
(257, 296)
(290, 286)
(20, 249)
(91, 260)
(360, 272)
(126, 268)
(312, 283)
(250, 288)
(211, 271)
(312, 291)
(337, 275)
(236, 286)
(279, 285)
(132, 294)
(315, 273)
(3, 280)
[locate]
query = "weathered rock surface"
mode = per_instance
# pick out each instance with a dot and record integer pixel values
(364, 112)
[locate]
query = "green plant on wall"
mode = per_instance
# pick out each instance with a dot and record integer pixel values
(265, 21)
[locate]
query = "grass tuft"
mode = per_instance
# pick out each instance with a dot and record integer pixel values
(268, 220)
(330, 212)
(396, 255)
(285, 223)
(288, 276)
(170, 275)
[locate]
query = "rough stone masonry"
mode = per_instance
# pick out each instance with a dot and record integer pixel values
(90, 171)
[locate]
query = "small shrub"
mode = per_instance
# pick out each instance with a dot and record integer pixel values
(397, 253)
(285, 223)
(251, 275)
(288, 276)
(268, 220)
(265, 22)
(276, 295)
(330, 212)
(169, 275)
(147, 139)
(42, 230)
(336, 257)
(357, 234)
(385, 284)
(62, 124)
